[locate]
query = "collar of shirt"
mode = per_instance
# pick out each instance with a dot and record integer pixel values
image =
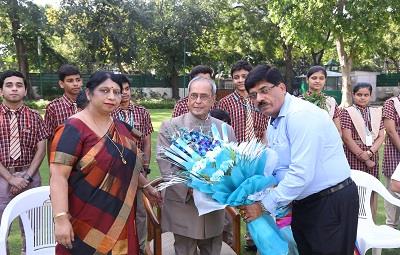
(130, 107)
(68, 101)
(197, 121)
(361, 109)
(5, 109)
(238, 97)
(282, 112)
(244, 102)
(185, 99)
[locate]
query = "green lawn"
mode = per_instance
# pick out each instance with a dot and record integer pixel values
(157, 116)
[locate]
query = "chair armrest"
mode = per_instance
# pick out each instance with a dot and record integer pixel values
(153, 224)
(152, 217)
(235, 216)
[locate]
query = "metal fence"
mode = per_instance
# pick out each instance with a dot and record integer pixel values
(46, 84)
(388, 80)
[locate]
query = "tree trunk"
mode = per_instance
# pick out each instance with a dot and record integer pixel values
(317, 57)
(174, 83)
(288, 57)
(395, 63)
(346, 66)
(118, 57)
(20, 47)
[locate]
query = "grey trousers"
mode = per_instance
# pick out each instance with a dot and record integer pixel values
(188, 246)
(141, 222)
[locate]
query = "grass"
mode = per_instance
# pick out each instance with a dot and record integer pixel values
(157, 116)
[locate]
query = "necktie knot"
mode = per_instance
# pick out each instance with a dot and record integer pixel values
(75, 106)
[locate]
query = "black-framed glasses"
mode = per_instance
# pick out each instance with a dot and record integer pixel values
(263, 91)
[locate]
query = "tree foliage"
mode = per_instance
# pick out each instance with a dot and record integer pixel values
(21, 24)
(107, 31)
(176, 31)
(168, 37)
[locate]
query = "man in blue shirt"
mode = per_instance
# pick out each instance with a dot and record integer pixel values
(312, 169)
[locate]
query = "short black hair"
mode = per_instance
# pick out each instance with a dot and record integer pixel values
(200, 69)
(263, 73)
(221, 115)
(66, 70)
(362, 85)
(239, 65)
(81, 100)
(10, 73)
(123, 79)
(315, 69)
(99, 77)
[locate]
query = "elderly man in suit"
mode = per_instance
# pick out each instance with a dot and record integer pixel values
(179, 213)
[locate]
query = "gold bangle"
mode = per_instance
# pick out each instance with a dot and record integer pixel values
(60, 214)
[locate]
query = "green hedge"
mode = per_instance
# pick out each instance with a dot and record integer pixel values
(157, 103)
(37, 104)
(147, 103)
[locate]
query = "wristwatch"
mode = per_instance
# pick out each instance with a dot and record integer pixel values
(263, 209)
(28, 178)
(146, 170)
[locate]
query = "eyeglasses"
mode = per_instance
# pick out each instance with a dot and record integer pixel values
(263, 91)
(203, 97)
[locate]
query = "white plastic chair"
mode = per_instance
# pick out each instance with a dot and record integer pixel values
(34, 208)
(370, 235)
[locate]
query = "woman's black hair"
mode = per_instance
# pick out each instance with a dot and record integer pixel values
(81, 100)
(315, 69)
(99, 77)
(362, 85)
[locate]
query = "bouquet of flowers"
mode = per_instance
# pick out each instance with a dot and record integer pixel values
(229, 173)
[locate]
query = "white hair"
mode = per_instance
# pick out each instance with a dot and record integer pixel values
(211, 82)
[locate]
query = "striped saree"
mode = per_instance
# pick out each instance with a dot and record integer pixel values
(101, 188)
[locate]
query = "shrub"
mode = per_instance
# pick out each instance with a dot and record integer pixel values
(145, 102)
(156, 103)
(37, 104)
(137, 93)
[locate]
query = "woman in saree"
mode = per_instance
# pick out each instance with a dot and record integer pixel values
(95, 172)
(316, 79)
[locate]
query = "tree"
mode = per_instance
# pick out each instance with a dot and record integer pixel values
(175, 29)
(300, 32)
(358, 27)
(389, 48)
(12, 9)
(106, 30)
(355, 26)
(21, 23)
(241, 32)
